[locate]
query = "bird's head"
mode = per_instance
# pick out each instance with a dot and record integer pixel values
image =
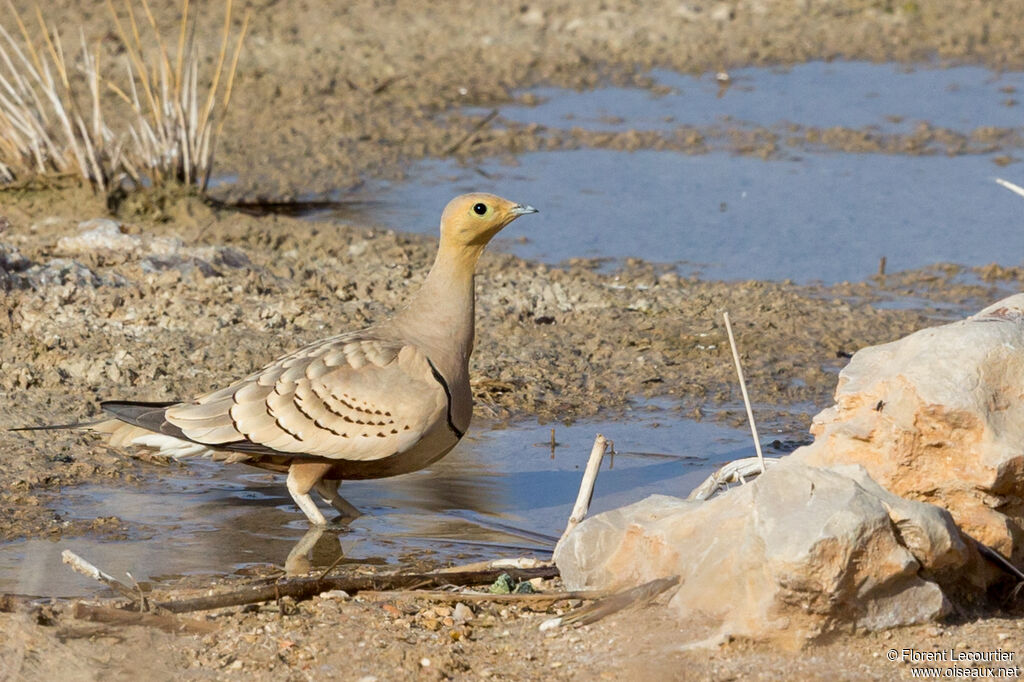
(471, 220)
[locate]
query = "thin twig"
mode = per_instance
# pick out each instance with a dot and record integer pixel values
(999, 560)
(473, 132)
(743, 389)
(143, 602)
(334, 565)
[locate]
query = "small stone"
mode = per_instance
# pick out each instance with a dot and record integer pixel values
(462, 613)
(340, 595)
(425, 662)
(550, 624)
(99, 234)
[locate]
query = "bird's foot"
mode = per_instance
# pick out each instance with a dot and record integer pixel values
(309, 551)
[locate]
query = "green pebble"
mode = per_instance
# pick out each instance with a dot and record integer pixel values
(503, 585)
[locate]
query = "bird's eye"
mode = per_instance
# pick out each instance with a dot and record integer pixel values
(480, 209)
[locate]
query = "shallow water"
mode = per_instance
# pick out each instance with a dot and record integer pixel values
(806, 216)
(499, 493)
(886, 97)
(820, 217)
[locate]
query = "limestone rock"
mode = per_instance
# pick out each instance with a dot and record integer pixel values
(799, 552)
(155, 254)
(938, 416)
(99, 234)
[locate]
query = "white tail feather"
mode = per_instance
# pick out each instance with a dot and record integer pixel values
(171, 446)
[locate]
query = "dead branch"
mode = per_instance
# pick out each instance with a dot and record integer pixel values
(305, 588)
(592, 613)
(520, 562)
(112, 616)
(534, 598)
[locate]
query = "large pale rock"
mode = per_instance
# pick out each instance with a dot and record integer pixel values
(799, 552)
(938, 416)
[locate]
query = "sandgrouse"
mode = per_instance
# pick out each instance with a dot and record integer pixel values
(386, 400)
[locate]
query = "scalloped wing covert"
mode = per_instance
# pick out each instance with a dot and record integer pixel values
(346, 398)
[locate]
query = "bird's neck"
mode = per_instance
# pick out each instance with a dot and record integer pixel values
(440, 315)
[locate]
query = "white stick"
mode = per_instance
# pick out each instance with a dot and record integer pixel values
(1016, 189)
(82, 566)
(743, 388)
(735, 471)
(579, 510)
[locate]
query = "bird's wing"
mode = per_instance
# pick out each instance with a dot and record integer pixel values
(347, 398)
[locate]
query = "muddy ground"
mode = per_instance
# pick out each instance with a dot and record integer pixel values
(329, 94)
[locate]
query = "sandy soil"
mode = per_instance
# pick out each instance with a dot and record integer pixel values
(331, 93)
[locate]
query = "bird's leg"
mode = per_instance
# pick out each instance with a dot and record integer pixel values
(302, 476)
(328, 489)
(297, 561)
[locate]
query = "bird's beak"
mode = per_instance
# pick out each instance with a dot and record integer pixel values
(522, 209)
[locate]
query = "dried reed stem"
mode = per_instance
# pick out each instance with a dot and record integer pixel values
(743, 389)
(586, 493)
(175, 116)
(1016, 189)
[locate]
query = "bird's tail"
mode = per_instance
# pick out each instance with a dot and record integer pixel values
(59, 427)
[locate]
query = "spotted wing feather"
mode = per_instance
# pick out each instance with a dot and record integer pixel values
(348, 398)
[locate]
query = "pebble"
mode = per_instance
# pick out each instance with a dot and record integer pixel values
(550, 624)
(335, 594)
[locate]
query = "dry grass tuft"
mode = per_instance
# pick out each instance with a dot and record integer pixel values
(53, 116)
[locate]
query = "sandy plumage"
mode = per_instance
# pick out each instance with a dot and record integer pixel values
(382, 401)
